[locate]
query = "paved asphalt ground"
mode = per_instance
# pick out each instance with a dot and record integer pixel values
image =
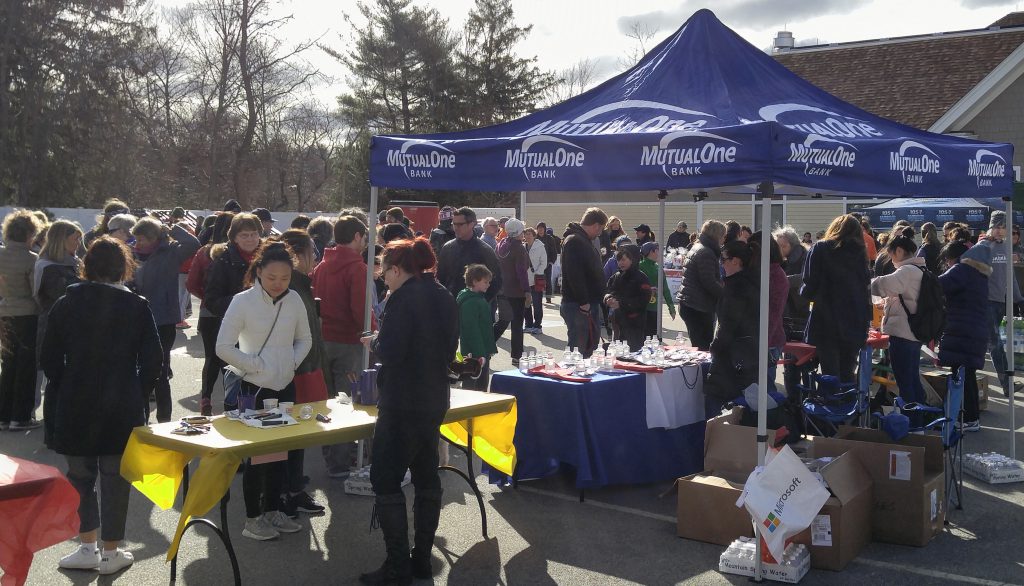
(539, 534)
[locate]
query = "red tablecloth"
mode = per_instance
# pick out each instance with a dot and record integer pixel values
(38, 508)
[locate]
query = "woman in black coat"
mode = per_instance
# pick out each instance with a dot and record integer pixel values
(836, 281)
(965, 338)
(418, 336)
(627, 295)
(734, 350)
(100, 352)
(230, 262)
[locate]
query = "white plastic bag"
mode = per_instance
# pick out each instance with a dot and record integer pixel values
(783, 499)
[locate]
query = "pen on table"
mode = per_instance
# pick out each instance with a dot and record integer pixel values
(266, 423)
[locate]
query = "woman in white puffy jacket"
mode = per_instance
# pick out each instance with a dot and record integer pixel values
(538, 264)
(268, 323)
(905, 281)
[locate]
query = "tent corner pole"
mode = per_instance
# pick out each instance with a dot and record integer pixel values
(1010, 359)
(371, 289)
(661, 264)
(766, 193)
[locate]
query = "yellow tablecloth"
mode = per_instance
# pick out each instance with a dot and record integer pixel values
(154, 458)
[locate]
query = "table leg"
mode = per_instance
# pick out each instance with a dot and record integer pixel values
(469, 477)
(223, 534)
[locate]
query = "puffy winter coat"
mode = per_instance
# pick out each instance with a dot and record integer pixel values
(224, 279)
(965, 339)
(582, 275)
(702, 276)
(157, 276)
(905, 281)
(249, 321)
(734, 351)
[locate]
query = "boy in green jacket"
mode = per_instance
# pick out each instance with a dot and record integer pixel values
(476, 319)
(649, 267)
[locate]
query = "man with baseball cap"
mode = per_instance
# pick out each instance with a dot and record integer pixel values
(268, 221)
(444, 231)
(680, 238)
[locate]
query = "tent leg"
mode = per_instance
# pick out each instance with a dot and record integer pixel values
(371, 289)
(661, 255)
(767, 192)
(1008, 243)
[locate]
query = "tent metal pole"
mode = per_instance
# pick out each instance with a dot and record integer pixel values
(1008, 243)
(767, 191)
(371, 289)
(522, 206)
(661, 255)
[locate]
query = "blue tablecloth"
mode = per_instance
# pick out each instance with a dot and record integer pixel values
(599, 428)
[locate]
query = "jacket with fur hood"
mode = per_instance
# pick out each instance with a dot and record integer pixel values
(965, 284)
(905, 281)
(249, 321)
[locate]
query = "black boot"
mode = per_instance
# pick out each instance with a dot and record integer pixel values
(391, 514)
(426, 513)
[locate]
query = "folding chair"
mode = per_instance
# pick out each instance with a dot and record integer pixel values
(949, 425)
(829, 403)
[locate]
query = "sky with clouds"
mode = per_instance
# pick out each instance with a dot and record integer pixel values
(567, 31)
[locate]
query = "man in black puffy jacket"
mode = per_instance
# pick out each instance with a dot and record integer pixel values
(583, 281)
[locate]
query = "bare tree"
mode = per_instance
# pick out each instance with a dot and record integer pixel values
(641, 33)
(571, 81)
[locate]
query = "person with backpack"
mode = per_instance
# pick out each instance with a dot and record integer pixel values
(903, 303)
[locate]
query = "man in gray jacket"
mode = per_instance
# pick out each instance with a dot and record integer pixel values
(997, 296)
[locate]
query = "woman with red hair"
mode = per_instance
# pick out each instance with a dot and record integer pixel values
(419, 333)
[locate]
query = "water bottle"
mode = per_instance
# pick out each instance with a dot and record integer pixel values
(645, 355)
(524, 365)
(549, 361)
(577, 356)
(679, 339)
(567, 355)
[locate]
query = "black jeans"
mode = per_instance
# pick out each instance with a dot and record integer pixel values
(839, 358)
(518, 305)
(700, 326)
(549, 287)
(403, 441)
(535, 315)
(162, 389)
(208, 328)
(971, 394)
(18, 368)
(651, 324)
(262, 484)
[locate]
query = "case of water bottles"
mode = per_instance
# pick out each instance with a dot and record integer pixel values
(994, 468)
(739, 559)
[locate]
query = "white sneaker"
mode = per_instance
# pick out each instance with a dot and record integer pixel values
(280, 522)
(259, 529)
(84, 558)
(115, 562)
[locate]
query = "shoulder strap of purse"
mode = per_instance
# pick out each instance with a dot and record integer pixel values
(280, 304)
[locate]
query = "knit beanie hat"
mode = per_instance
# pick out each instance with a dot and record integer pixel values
(997, 220)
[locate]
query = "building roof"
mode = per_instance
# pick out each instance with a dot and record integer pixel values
(913, 80)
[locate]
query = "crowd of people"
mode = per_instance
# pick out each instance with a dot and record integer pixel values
(282, 316)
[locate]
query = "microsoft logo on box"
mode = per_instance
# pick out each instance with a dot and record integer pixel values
(772, 523)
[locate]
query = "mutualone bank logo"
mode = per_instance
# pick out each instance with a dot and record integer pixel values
(543, 156)
(826, 146)
(986, 166)
(614, 118)
(419, 158)
(914, 162)
(687, 153)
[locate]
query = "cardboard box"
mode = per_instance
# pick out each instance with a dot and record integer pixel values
(936, 379)
(843, 526)
(707, 508)
(909, 498)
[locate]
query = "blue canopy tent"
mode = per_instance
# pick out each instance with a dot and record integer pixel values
(937, 210)
(703, 109)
